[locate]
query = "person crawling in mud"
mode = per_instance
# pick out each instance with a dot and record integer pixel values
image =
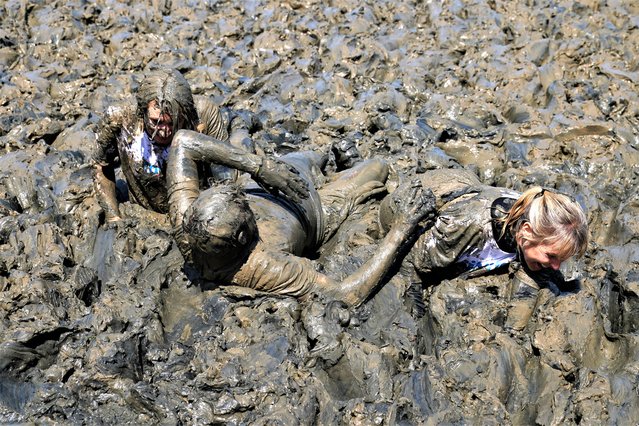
(249, 237)
(139, 140)
(480, 228)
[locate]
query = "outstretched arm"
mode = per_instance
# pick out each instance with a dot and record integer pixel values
(189, 146)
(415, 204)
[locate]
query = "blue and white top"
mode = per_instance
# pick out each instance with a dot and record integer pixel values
(153, 157)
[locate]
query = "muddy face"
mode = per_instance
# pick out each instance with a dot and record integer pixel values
(542, 256)
(158, 124)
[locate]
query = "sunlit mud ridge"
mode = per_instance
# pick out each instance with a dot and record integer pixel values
(99, 324)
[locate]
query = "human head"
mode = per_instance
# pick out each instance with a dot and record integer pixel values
(220, 222)
(548, 227)
(165, 103)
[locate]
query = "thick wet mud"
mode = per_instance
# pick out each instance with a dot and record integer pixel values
(99, 324)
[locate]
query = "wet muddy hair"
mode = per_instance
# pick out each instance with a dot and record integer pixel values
(172, 92)
(220, 221)
(553, 218)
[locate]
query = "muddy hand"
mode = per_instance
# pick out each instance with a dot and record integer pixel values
(276, 175)
(413, 202)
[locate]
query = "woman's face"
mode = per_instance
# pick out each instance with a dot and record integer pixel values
(542, 256)
(539, 256)
(159, 126)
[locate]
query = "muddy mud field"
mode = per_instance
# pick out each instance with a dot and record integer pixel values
(99, 323)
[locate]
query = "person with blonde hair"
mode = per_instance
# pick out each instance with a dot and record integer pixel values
(548, 227)
(480, 228)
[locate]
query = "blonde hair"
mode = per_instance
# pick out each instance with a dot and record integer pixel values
(554, 219)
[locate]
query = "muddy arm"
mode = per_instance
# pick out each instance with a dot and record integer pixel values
(357, 287)
(243, 125)
(217, 124)
(105, 161)
(417, 205)
(104, 186)
(212, 122)
(269, 172)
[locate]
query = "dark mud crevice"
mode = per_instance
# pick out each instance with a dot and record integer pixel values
(624, 306)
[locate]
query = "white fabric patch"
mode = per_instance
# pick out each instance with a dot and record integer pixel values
(152, 157)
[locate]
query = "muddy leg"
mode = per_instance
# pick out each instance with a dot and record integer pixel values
(348, 189)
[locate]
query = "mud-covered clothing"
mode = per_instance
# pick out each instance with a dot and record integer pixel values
(276, 265)
(467, 233)
(278, 272)
(122, 141)
(494, 250)
(285, 273)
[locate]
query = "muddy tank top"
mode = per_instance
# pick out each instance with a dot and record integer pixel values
(494, 252)
(143, 151)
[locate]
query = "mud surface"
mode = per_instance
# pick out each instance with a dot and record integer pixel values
(99, 324)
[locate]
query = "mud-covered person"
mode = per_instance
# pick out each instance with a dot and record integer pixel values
(480, 228)
(138, 139)
(249, 237)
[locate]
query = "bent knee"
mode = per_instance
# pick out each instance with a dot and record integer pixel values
(380, 167)
(371, 169)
